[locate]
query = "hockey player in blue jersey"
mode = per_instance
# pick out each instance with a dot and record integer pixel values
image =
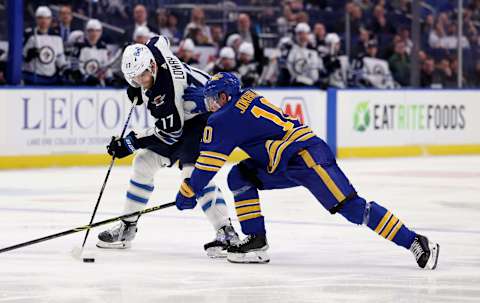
(284, 153)
(169, 88)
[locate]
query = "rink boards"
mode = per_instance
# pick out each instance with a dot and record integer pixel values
(71, 126)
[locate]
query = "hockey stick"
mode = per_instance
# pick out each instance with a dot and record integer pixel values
(108, 173)
(87, 227)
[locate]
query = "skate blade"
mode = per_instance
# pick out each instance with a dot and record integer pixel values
(253, 257)
(114, 245)
(434, 252)
(216, 252)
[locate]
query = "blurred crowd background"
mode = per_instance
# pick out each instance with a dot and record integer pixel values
(317, 43)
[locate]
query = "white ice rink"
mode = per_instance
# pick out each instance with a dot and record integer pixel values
(315, 257)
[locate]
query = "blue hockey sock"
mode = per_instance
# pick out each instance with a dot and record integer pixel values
(387, 225)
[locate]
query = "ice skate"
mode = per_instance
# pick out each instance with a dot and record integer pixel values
(425, 252)
(119, 236)
(226, 236)
(252, 249)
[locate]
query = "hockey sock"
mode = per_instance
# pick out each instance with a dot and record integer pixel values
(212, 203)
(138, 195)
(247, 206)
(387, 225)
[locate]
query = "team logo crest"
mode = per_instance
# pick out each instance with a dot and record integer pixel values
(46, 55)
(159, 100)
(91, 66)
(137, 52)
(217, 77)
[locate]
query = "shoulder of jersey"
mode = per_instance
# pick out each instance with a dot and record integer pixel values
(28, 33)
(101, 44)
(54, 32)
(220, 117)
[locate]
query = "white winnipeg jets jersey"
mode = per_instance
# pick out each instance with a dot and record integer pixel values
(51, 57)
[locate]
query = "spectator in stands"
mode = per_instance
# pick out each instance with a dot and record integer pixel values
(197, 22)
(303, 61)
(225, 62)
(303, 17)
(380, 24)
(356, 19)
(44, 58)
(365, 5)
(174, 32)
(140, 18)
(444, 75)
(428, 25)
(93, 59)
(405, 36)
(286, 23)
(451, 39)
(162, 23)
(247, 67)
(65, 22)
(426, 74)
(319, 33)
(399, 64)
(196, 34)
(186, 53)
(217, 36)
(248, 34)
(363, 38)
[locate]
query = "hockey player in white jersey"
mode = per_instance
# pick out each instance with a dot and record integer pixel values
(175, 99)
(44, 58)
(92, 56)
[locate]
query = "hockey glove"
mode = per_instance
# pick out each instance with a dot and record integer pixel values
(135, 92)
(123, 147)
(195, 95)
(32, 54)
(185, 197)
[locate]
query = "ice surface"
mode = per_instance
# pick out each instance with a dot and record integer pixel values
(315, 257)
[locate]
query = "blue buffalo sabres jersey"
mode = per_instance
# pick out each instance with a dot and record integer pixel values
(250, 122)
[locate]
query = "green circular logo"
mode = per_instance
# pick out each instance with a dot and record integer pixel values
(361, 117)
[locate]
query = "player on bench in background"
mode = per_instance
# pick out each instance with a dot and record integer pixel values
(175, 99)
(284, 153)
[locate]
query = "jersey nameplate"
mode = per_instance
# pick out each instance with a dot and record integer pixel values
(244, 101)
(177, 68)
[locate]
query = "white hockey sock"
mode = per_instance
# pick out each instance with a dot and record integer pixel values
(214, 206)
(138, 195)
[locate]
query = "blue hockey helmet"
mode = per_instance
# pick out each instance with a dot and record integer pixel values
(221, 83)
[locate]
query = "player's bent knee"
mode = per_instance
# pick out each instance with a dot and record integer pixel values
(235, 178)
(145, 166)
(353, 209)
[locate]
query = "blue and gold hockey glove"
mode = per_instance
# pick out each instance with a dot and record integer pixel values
(122, 147)
(186, 197)
(194, 97)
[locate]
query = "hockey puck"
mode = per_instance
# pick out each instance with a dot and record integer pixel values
(88, 260)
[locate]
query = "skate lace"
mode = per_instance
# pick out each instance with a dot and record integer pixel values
(118, 230)
(244, 241)
(417, 250)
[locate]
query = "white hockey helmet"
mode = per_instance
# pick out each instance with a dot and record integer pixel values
(246, 48)
(136, 59)
(332, 38)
